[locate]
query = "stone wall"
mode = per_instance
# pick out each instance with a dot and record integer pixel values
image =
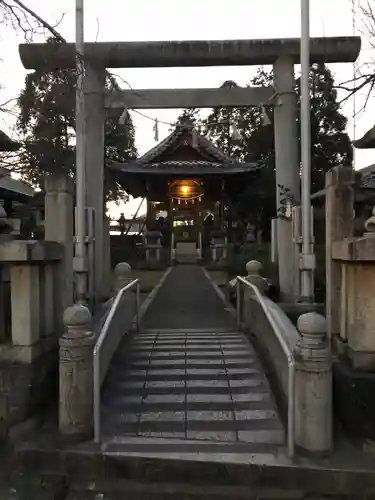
(26, 388)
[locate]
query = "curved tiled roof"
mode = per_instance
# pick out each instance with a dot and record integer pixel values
(173, 138)
(8, 144)
(186, 167)
(211, 159)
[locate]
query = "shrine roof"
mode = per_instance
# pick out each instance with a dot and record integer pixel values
(8, 144)
(367, 141)
(200, 156)
(185, 167)
(203, 144)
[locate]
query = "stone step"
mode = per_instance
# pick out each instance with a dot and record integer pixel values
(162, 469)
(207, 387)
(217, 330)
(255, 385)
(187, 344)
(126, 404)
(192, 348)
(188, 364)
(183, 375)
(182, 354)
(197, 428)
(108, 490)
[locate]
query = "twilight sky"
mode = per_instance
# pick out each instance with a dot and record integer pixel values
(118, 20)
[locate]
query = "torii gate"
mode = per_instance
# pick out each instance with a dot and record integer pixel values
(283, 54)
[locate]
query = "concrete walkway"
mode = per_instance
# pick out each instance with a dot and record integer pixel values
(190, 378)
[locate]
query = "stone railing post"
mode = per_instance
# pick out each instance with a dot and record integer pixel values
(254, 269)
(122, 276)
(313, 386)
(76, 375)
(248, 312)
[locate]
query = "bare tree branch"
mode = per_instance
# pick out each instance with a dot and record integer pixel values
(16, 12)
(367, 79)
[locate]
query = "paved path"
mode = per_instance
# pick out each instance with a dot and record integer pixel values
(186, 384)
(187, 300)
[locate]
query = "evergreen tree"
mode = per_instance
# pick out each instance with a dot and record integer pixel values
(330, 143)
(47, 124)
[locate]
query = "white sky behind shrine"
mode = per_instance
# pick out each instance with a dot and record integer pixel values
(120, 20)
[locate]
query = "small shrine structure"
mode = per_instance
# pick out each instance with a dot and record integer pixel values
(188, 183)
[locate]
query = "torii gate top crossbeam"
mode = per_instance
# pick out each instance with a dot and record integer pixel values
(189, 53)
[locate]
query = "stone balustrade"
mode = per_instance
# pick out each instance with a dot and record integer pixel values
(76, 383)
(76, 370)
(309, 357)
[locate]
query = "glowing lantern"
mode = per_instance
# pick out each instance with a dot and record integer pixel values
(185, 190)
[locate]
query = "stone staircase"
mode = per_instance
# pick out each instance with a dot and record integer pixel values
(186, 252)
(187, 414)
(188, 390)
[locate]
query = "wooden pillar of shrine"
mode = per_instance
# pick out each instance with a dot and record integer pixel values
(149, 214)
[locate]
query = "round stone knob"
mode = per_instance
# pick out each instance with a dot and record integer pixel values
(253, 267)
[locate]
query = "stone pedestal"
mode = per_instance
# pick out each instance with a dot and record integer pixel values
(25, 297)
(339, 225)
(354, 370)
(313, 386)
(76, 383)
(356, 257)
(34, 274)
(28, 355)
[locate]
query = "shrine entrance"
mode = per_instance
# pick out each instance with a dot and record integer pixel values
(186, 214)
(187, 182)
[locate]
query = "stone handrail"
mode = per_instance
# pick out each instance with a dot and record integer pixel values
(107, 344)
(278, 324)
(298, 359)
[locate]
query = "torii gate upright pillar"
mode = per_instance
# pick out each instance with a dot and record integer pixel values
(94, 130)
(287, 168)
